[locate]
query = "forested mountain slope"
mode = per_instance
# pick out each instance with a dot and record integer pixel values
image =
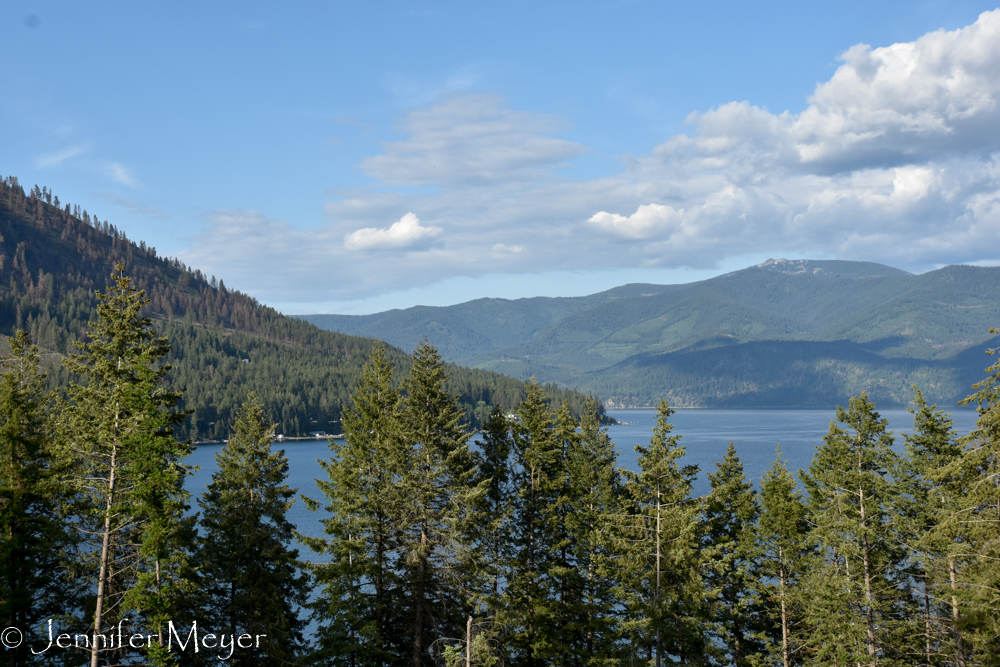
(223, 343)
(783, 333)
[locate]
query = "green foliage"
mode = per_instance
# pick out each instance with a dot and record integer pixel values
(248, 570)
(36, 543)
(782, 534)
(661, 568)
(530, 615)
(729, 547)
(359, 608)
(854, 507)
(439, 483)
(976, 525)
(592, 508)
(117, 430)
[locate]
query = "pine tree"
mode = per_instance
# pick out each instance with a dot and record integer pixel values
(662, 564)
(248, 568)
(854, 507)
(36, 544)
(782, 534)
(592, 627)
(359, 607)
(729, 545)
(444, 505)
(118, 430)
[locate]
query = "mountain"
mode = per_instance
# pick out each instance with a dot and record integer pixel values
(223, 343)
(782, 333)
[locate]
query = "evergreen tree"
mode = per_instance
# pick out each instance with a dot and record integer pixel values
(976, 527)
(36, 544)
(854, 507)
(248, 569)
(782, 534)
(935, 499)
(729, 545)
(662, 565)
(359, 607)
(530, 616)
(118, 430)
(443, 508)
(494, 464)
(592, 627)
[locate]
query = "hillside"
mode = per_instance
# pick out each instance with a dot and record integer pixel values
(223, 343)
(783, 333)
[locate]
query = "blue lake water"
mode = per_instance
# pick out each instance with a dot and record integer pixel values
(706, 435)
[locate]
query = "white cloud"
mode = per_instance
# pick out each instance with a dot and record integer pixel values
(57, 158)
(404, 233)
(120, 173)
(503, 248)
(472, 140)
(895, 159)
(647, 221)
(133, 206)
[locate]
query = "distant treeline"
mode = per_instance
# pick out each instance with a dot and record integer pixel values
(224, 344)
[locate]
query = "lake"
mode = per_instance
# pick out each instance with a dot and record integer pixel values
(706, 434)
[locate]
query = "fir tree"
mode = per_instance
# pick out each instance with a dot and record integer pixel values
(494, 464)
(782, 534)
(359, 607)
(443, 508)
(248, 568)
(935, 499)
(592, 626)
(662, 564)
(854, 507)
(530, 614)
(977, 525)
(118, 430)
(729, 545)
(36, 545)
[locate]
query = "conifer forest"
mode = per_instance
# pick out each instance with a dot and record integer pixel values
(529, 547)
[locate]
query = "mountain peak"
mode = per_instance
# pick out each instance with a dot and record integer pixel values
(831, 268)
(790, 266)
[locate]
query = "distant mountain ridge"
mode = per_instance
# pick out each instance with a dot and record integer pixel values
(224, 343)
(782, 333)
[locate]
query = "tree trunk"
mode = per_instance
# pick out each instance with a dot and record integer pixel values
(959, 646)
(468, 643)
(869, 595)
(927, 623)
(105, 553)
(784, 610)
(656, 597)
(418, 621)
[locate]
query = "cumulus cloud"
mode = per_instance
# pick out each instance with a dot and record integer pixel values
(895, 159)
(647, 221)
(472, 140)
(404, 233)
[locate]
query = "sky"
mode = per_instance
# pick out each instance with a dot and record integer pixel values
(347, 157)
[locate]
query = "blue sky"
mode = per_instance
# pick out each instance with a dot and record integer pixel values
(352, 157)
